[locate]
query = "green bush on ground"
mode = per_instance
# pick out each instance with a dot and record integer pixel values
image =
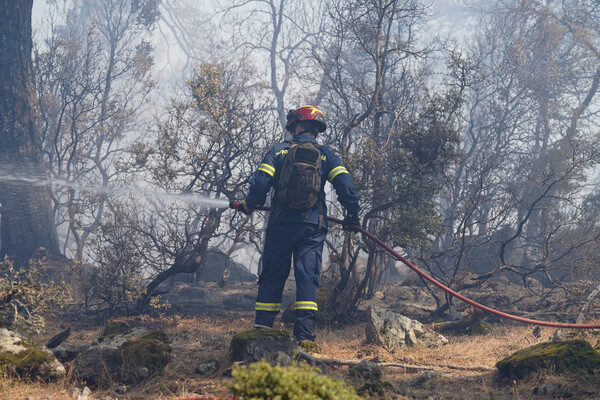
(25, 300)
(298, 381)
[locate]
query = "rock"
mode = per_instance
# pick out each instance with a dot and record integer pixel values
(547, 390)
(480, 328)
(58, 339)
(391, 329)
(571, 356)
(113, 329)
(74, 350)
(425, 377)
(283, 359)
(121, 389)
(366, 370)
(81, 394)
(60, 353)
(10, 342)
(125, 358)
(208, 367)
(68, 354)
(561, 335)
(255, 345)
(26, 359)
(212, 268)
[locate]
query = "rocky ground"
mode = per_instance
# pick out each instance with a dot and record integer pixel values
(203, 319)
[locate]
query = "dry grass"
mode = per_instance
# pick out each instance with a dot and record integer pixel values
(198, 336)
(17, 389)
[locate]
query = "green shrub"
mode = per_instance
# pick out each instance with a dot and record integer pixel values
(263, 381)
(310, 347)
(25, 300)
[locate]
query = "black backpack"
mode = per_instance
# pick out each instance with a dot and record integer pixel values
(299, 183)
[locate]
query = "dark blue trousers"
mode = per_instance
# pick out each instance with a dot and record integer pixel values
(304, 244)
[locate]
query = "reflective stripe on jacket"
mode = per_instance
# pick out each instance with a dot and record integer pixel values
(332, 170)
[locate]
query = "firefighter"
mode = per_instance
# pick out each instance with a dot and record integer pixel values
(297, 223)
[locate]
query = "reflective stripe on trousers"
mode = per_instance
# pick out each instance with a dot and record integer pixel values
(302, 243)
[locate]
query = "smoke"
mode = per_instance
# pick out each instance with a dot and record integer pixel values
(113, 189)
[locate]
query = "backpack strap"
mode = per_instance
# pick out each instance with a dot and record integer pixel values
(322, 192)
(277, 210)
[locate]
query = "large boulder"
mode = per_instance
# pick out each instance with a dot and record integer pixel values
(570, 356)
(67, 353)
(390, 329)
(26, 359)
(214, 266)
(272, 345)
(367, 370)
(125, 355)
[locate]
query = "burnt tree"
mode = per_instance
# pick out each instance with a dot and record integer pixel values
(27, 221)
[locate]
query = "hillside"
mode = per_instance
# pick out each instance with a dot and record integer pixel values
(201, 328)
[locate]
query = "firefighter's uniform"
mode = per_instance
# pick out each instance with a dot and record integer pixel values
(298, 234)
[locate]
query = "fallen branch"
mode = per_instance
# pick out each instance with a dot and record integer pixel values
(331, 361)
(408, 367)
(471, 316)
(591, 296)
(479, 368)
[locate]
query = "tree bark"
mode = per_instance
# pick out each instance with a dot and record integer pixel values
(26, 218)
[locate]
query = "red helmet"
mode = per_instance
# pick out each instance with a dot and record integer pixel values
(306, 113)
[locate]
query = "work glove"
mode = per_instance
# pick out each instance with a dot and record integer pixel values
(244, 209)
(351, 222)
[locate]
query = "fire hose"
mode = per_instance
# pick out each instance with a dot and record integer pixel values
(431, 280)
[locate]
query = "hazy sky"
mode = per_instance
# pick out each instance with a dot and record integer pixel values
(450, 17)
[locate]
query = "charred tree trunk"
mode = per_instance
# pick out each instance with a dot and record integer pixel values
(27, 221)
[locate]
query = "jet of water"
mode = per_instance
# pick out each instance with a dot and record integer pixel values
(192, 198)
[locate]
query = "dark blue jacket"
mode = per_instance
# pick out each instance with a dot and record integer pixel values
(332, 170)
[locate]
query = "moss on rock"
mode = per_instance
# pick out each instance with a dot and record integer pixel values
(150, 351)
(26, 359)
(241, 338)
(257, 344)
(367, 370)
(571, 356)
(481, 328)
(113, 329)
(156, 334)
(26, 363)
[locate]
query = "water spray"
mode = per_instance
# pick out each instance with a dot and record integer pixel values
(191, 198)
(431, 280)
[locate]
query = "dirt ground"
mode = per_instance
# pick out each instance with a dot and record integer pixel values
(202, 321)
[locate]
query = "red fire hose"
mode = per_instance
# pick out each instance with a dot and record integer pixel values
(428, 278)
